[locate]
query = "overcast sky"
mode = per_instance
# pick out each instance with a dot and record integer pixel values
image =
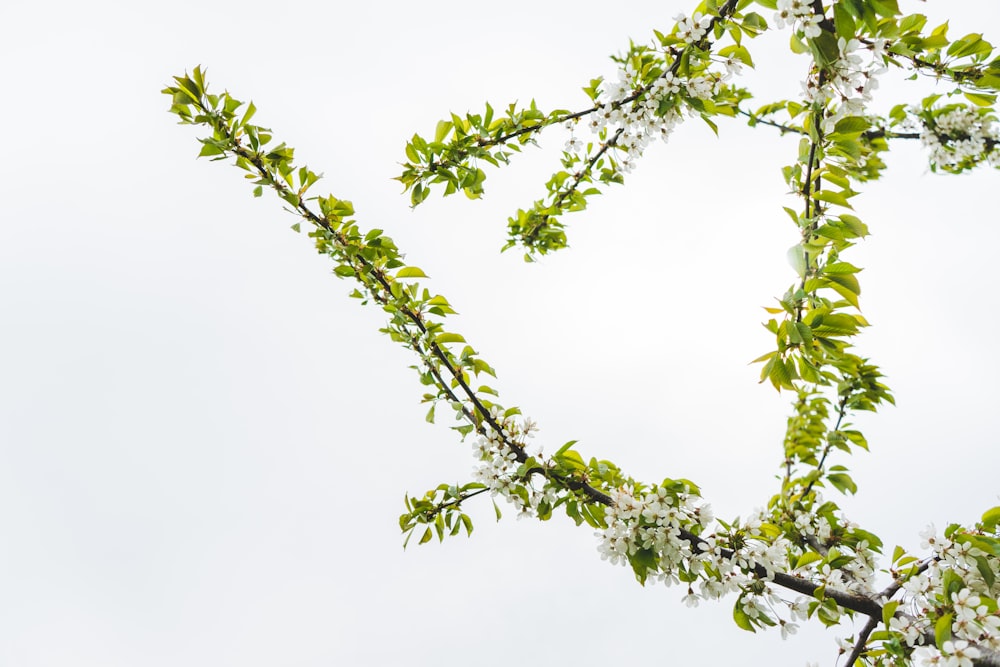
(204, 444)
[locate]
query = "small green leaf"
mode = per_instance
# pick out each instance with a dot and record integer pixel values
(410, 272)
(985, 570)
(449, 338)
(843, 483)
(344, 271)
(832, 197)
(942, 630)
(991, 518)
(564, 448)
(797, 258)
(741, 618)
(210, 149)
(807, 558)
(852, 125)
(981, 99)
(571, 459)
(442, 130)
(888, 611)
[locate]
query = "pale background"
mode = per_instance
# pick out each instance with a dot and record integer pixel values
(204, 445)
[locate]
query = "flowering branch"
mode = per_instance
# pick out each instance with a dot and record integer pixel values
(942, 608)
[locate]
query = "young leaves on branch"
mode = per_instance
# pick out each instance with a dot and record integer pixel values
(799, 557)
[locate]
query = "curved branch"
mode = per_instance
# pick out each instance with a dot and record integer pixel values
(859, 646)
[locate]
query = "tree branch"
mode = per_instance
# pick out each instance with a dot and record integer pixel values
(859, 646)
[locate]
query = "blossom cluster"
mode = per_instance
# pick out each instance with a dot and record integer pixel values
(692, 29)
(857, 574)
(499, 467)
(800, 15)
(638, 113)
(661, 524)
(960, 583)
(849, 81)
(651, 521)
(960, 137)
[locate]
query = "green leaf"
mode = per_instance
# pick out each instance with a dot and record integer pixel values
(642, 561)
(797, 258)
(991, 518)
(852, 125)
(843, 21)
(888, 611)
(410, 272)
(824, 49)
(951, 582)
(344, 271)
(854, 224)
(782, 374)
(565, 448)
(449, 338)
(737, 52)
(807, 558)
(847, 280)
(571, 459)
(843, 483)
(887, 8)
(985, 570)
(741, 618)
(981, 99)
(442, 130)
(411, 153)
(210, 149)
(850, 293)
(832, 197)
(942, 630)
(898, 553)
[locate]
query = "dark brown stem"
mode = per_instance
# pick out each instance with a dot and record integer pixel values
(859, 647)
(791, 129)
(841, 412)
(724, 12)
(430, 514)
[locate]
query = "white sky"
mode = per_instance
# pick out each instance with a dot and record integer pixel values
(204, 444)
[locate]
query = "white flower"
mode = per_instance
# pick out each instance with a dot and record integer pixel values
(700, 87)
(789, 11)
(965, 603)
(734, 66)
(907, 627)
(929, 538)
(878, 48)
(671, 84)
(810, 26)
(959, 653)
(928, 655)
(693, 29)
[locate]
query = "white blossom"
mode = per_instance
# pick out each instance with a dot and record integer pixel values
(694, 29)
